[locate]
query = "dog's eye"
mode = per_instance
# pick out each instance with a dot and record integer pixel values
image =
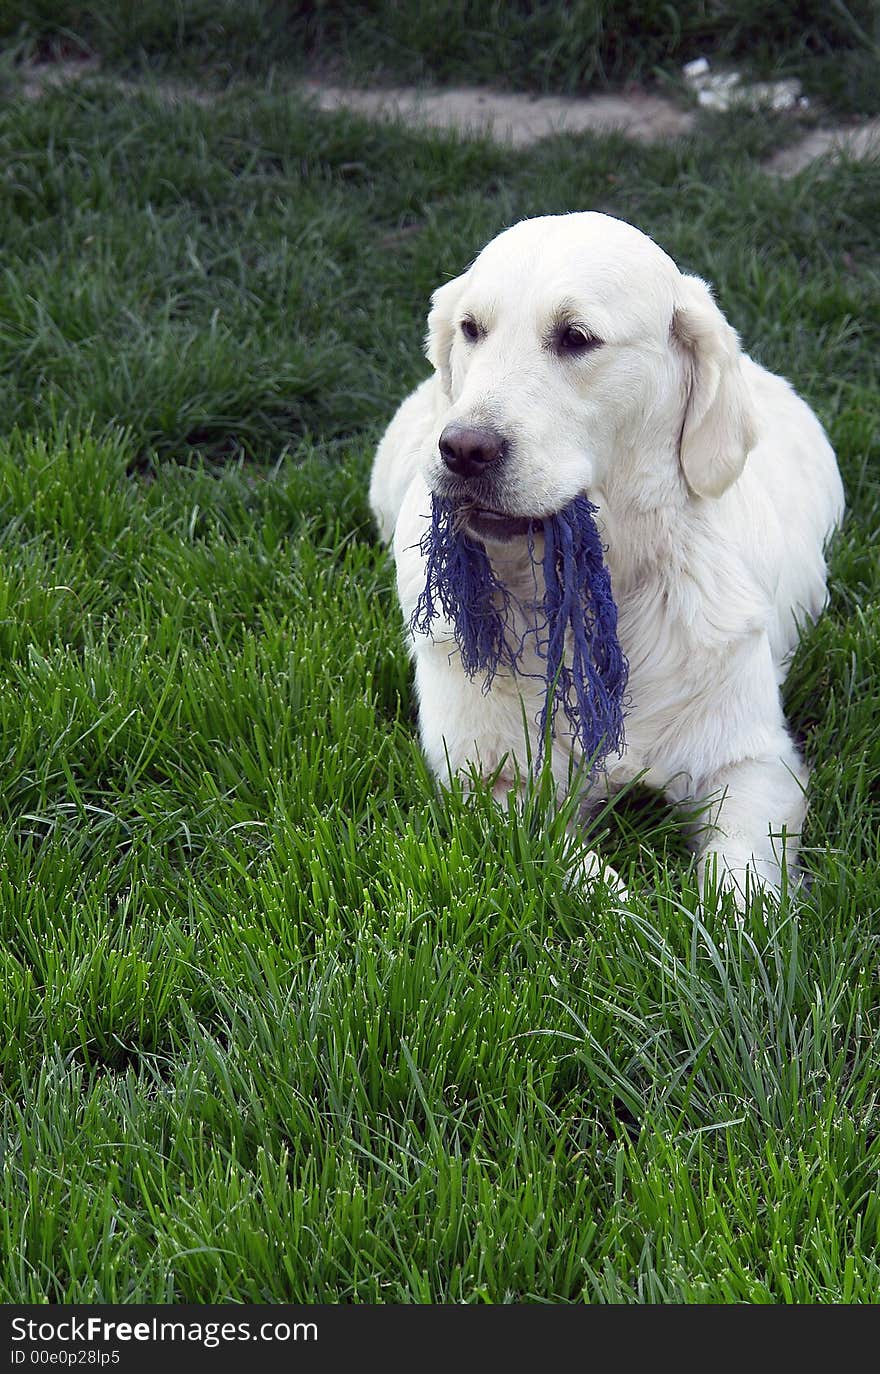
(570, 340)
(470, 330)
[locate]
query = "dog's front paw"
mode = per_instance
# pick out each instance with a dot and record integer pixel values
(744, 876)
(587, 869)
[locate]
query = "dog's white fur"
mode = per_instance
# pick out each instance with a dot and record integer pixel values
(717, 490)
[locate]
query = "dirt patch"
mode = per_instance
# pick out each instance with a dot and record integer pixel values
(511, 118)
(863, 141)
(507, 117)
(39, 77)
(519, 120)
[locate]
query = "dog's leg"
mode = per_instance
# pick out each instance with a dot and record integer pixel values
(465, 729)
(750, 827)
(588, 868)
(741, 777)
(585, 866)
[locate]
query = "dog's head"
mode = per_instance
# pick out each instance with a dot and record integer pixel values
(577, 359)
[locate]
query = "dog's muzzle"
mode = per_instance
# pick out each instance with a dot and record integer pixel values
(474, 457)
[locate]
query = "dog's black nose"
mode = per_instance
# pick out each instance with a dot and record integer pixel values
(468, 450)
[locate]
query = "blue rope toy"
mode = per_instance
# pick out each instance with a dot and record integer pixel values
(578, 609)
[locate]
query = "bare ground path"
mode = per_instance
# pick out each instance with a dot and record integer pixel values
(507, 117)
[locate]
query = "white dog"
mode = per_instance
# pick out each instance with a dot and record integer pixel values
(573, 358)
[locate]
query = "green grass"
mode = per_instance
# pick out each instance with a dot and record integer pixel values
(278, 1022)
(557, 45)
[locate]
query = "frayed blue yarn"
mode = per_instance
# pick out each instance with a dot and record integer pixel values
(578, 600)
(579, 612)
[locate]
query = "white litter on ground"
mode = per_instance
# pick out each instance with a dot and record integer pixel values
(725, 90)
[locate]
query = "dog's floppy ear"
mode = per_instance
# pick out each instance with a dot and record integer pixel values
(441, 329)
(719, 427)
